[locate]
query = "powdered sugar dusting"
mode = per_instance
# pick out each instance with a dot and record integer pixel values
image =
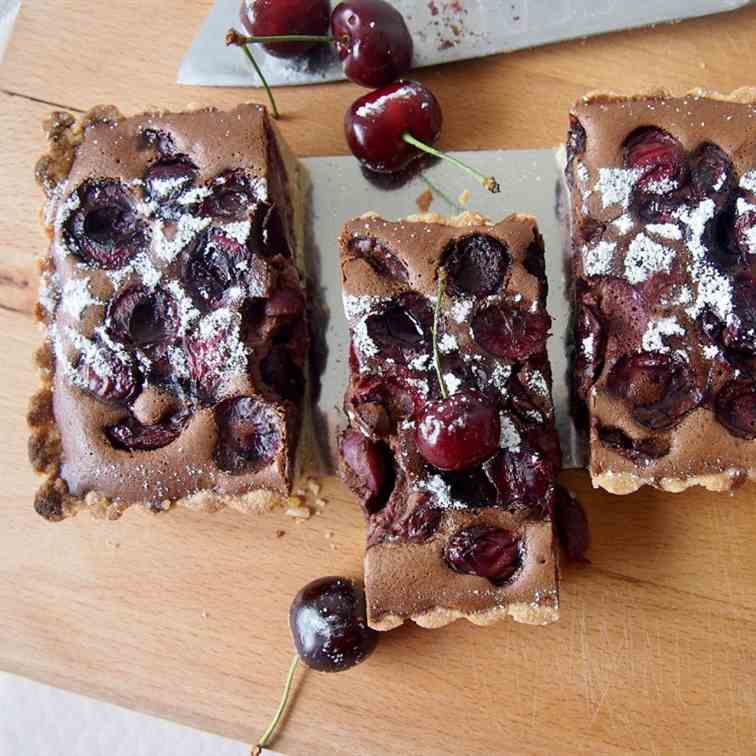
(376, 107)
(616, 184)
(665, 230)
(77, 298)
(187, 312)
(510, 438)
(461, 310)
(168, 245)
(624, 223)
(452, 383)
(357, 306)
(653, 338)
(597, 261)
(748, 181)
(448, 343)
(646, 257)
(500, 377)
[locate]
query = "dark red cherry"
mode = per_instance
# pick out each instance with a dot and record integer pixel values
(659, 388)
(711, 174)
(372, 41)
(487, 552)
(269, 18)
(284, 302)
(279, 371)
(379, 404)
(250, 434)
(522, 476)
(131, 435)
(458, 432)
(379, 257)
(328, 621)
(376, 122)
(571, 525)
(735, 407)
(740, 333)
(216, 263)
(641, 450)
(511, 331)
(368, 469)
(168, 178)
(233, 195)
(110, 376)
(403, 328)
(660, 158)
(105, 229)
(424, 522)
(475, 265)
(142, 317)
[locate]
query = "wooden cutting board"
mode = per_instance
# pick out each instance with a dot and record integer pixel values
(185, 615)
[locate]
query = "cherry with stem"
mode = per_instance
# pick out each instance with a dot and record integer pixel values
(239, 40)
(278, 716)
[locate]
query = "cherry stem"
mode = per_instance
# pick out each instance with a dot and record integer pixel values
(436, 319)
(244, 40)
(263, 741)
(234, 38)
(445, 197)
(488, 182)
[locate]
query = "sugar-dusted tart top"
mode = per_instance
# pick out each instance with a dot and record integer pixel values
(172, 303)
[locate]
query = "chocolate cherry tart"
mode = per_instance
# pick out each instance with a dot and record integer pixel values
(389, 128)
(328, 622)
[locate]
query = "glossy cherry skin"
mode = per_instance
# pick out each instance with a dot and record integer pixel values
(268, 18)
(458, 432)
(375, 123)
(328, 621)
(372, 41)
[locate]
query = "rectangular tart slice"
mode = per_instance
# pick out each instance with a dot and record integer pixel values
(450, 443)
(173, 366)
(663, 214)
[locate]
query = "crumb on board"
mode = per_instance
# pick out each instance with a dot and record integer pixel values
(464, 198)
(280, 533)
(333, 546)
(321, 502)
(329, 534)
(297, 509)
(112, 544)
(205, 614)
(424, 200)
(313, 486)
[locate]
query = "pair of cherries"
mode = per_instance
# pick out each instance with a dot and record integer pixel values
(386, 129)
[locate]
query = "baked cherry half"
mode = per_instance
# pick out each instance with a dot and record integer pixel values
(369, 469)
(276, 18)
(141, 317)
(660, 389)
(328, 620)
(511, 331)
(458, 432)
(487, 552)
(735, 408)
(390, 127)
(476, 265)
(372, 41)
(659, 157)
(131, 435)
(109, 375)
(167, 179)
(250, 434)
(233, 194)
(105, 229)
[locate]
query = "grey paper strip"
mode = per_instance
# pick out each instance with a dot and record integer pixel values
(443, 31)
(529, 180)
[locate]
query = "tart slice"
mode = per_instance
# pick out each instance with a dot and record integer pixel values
(173, 366)
(450, 444)
(663, 206)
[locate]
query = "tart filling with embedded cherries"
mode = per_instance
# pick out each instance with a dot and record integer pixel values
(663, 215)
(450, 444)
(173, 369)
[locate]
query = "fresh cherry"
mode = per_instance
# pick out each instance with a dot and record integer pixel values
(476, 265)
(284, 18)
(660, 388)
(105, 230)
(512, 332)
(487, 552)
(328, 620)
(372, 41)
(368, 469)
(735, 408)
(390, 127)
(458, 432)
(250, 434)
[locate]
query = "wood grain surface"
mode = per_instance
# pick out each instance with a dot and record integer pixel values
(185, 615)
